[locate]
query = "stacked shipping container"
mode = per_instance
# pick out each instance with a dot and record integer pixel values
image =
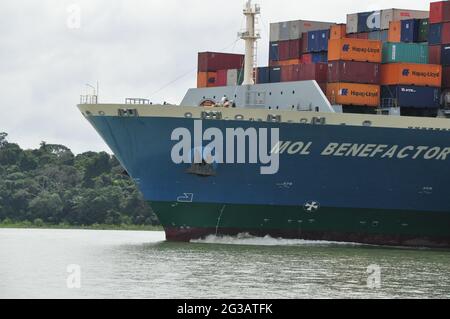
(400, 49)
(354, 72)
(219, 69)
(439, 41)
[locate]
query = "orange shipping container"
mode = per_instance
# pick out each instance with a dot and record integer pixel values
(285, 62)
(206, 79)
(395, 31)
(411, 74)
(355, 50)
(353, 94)
(338, 31)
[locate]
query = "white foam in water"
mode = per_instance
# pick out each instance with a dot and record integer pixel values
(246, 239)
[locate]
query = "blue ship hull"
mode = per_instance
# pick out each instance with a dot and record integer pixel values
(396, 198)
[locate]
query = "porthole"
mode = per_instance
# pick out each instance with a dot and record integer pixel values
(188, 115)
(367, 123)
(239, 117)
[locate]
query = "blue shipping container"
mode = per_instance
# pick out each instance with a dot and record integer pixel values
(319, 57)
(274, 51)
(263, 75)
(410, 30)
(435, 34)
(445, 55)
(410, 96)
(318, 40)
(275, 75)
(379, 35)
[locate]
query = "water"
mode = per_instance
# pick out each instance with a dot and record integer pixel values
(119, 264)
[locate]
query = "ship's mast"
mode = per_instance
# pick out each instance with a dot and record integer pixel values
(250, 36)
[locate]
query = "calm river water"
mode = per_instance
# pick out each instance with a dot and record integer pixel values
(122, 264)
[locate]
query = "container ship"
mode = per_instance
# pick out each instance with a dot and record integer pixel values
(343, 136)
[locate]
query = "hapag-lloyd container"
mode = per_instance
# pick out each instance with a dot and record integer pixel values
(355, 50)
(353, 72)
(214, 61)
(411, 74)
(440, 12)
(410, 96)
(405, 53)
(353, 94)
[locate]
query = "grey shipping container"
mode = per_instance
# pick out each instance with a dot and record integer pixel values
(399, 15)
(285, 30)
(274, 32)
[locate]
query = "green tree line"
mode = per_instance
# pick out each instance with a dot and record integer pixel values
(52, 185)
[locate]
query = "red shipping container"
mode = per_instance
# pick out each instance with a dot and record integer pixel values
(304, 46)
(323, 87)
(353, 72)
(445, 33)
(214, 61)
(434, 52)
(289, 73)
(361, 35)
(314, 71)
(295, 49)
(446, 77)
(283, 47)
(439, 12)
(221, 78)
(307, 58)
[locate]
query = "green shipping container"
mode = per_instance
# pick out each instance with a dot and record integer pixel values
(423, 30)
(405, 53)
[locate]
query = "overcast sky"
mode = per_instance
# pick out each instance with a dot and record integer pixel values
(132, 47)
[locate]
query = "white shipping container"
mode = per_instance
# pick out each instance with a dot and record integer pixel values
(232, 77)
(295, 33)
(352, 23)
(401, 14)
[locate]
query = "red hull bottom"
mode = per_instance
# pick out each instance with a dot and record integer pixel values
(188, 234)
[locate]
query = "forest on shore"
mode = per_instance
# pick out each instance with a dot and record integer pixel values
(52, 186)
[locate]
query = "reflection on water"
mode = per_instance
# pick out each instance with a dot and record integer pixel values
(115, 264)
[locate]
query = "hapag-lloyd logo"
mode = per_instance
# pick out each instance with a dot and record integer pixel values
(423, 74)
(347, 48)
(347, 92)
(236, 146)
